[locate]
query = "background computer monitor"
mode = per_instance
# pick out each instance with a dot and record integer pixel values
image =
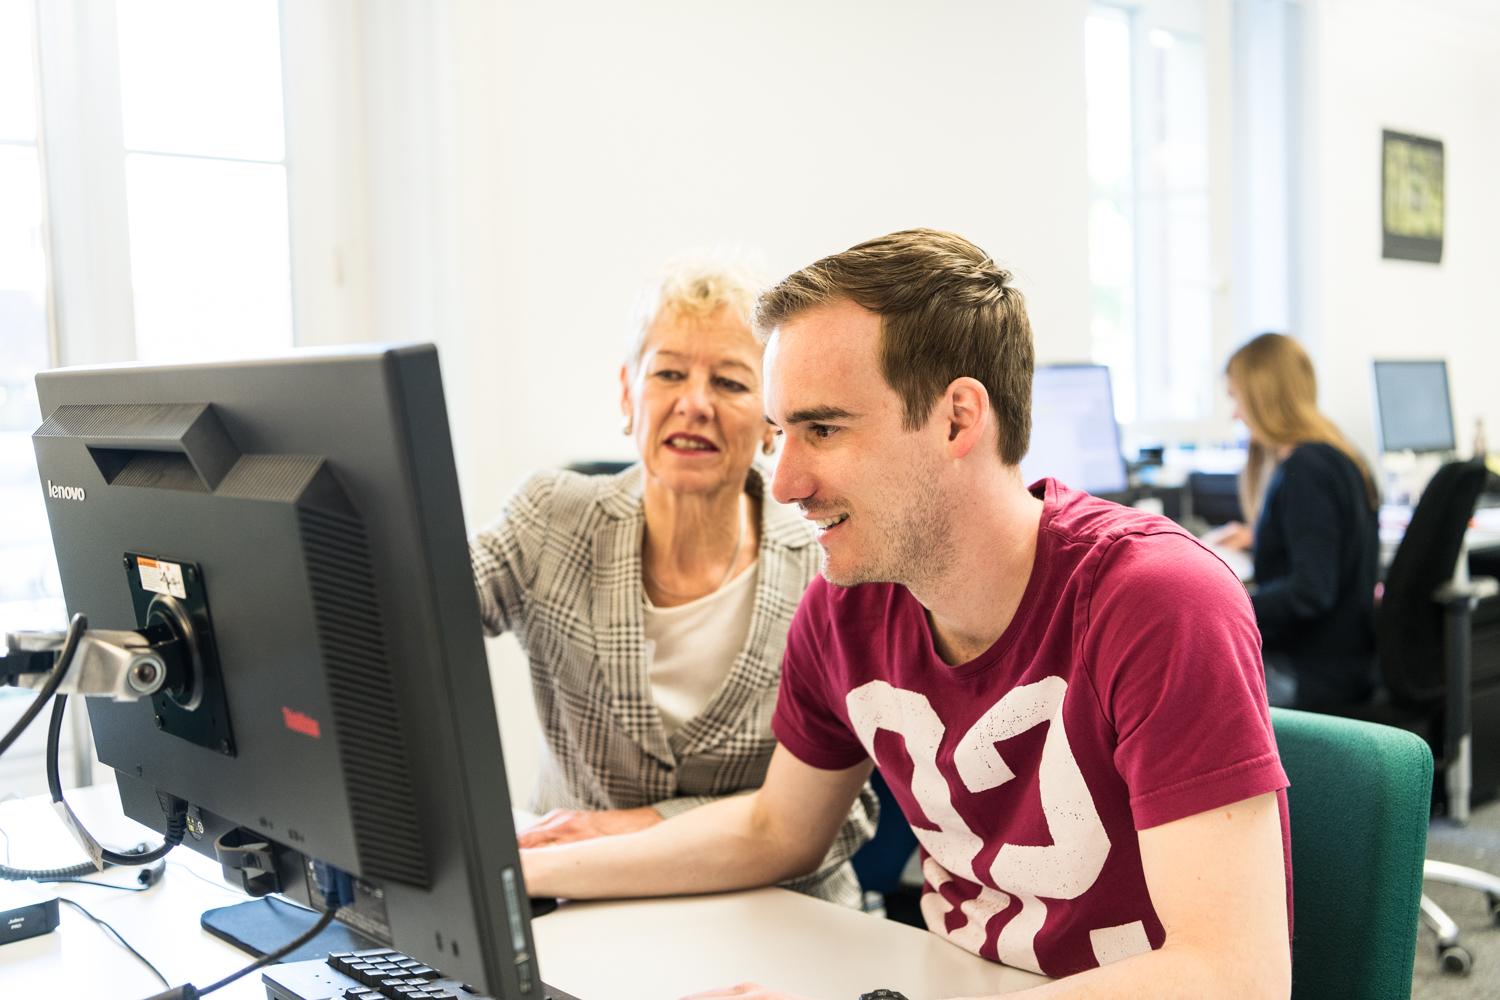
(310, 507)
(1414, 412)
(1074, 437)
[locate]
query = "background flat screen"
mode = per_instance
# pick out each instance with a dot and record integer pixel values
(1412, 397)
(1073, 434)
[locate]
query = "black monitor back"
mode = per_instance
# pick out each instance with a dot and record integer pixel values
(311, 503)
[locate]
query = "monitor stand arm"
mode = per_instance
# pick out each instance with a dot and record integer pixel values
(121, 665)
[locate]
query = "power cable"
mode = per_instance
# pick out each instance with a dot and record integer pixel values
(118, 937)
(76, 628)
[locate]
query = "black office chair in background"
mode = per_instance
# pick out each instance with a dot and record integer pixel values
(1423, 638)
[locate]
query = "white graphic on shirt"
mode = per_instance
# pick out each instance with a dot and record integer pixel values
(978, 910)
(908, 714)
(1063, 870)
(1114, 943)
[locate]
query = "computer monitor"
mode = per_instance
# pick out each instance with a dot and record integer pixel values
(300, 515)
(1074, 437)
(1414, 412)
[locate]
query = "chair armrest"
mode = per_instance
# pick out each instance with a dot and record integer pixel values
(1473, 590)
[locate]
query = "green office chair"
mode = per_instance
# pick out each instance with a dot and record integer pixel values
(1359, 800)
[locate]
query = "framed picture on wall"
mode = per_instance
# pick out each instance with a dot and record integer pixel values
(1411, 197)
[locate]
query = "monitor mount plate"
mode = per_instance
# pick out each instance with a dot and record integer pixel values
(170, 593)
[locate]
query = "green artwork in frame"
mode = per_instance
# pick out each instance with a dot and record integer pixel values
(1412, 197)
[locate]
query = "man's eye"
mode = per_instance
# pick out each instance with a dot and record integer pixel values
(823, 431)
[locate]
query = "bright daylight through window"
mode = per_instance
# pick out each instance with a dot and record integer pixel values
(200, 92)
(1149, 214)
(30, 595)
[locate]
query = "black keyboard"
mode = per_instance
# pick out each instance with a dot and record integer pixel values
(372, 974)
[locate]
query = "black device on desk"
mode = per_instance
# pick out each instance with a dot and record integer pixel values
(288, 534)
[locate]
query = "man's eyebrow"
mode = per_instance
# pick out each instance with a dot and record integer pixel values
(819, 414)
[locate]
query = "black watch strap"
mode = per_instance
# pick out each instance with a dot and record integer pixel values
(882, 995)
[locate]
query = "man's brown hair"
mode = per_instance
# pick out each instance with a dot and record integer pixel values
(946, 310)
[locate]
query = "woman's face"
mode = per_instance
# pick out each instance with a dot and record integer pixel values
(1237, 409)
(695, 401)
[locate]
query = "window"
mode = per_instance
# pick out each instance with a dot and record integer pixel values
(30, 595)
(205, 171)
(186, 143)
(1150, 253)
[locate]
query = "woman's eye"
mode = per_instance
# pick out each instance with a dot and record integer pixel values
(732, 385)
(669, 375)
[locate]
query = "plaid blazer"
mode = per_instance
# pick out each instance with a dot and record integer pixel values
(561, 568)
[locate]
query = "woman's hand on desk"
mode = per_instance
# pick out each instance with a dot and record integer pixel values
(1233, 535)
(563, 826)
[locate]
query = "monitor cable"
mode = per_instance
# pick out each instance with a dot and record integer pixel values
(118, 937)
(188, 991)
(76, 628)
(175, 808)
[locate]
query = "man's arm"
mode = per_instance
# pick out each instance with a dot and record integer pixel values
(780, 831)
(1218, 885)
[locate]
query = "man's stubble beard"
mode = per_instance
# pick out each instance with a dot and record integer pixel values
(917, 522)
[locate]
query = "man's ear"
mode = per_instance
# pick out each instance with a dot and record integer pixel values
(965, 410)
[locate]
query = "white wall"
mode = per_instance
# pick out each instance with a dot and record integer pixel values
(517, 170)
(1431, 68)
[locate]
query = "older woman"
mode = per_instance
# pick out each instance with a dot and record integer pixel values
(654, 604)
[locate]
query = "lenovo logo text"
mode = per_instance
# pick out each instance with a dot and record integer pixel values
(64, 492)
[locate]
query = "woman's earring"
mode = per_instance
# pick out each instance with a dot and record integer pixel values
(769, 447)
(628, 426)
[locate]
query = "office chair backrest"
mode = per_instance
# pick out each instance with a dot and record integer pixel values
(1359, 800)
(1409, 628)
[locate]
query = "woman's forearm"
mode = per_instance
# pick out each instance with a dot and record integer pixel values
(718, 847)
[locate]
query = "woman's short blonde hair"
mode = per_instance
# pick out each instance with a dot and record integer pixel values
(694, 284)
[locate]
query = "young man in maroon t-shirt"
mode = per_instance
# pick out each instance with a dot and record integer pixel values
(1065, 696)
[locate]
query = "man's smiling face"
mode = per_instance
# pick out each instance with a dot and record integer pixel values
(873, 487)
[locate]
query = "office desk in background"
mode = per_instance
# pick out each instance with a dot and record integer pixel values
(621, 950)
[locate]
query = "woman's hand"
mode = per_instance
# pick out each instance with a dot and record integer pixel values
(563, 826)
(1233, 535)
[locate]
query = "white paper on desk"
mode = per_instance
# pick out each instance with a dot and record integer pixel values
(89, 844)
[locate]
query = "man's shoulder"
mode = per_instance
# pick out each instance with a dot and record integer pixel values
(1126, 547)
(1074, 516)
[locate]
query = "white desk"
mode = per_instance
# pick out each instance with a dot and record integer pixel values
(627, 950)
(79, 958)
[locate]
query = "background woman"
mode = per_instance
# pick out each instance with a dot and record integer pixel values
(654, 604)
(1316, 539)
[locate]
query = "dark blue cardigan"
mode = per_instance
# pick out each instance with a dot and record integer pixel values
(1317, 548)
